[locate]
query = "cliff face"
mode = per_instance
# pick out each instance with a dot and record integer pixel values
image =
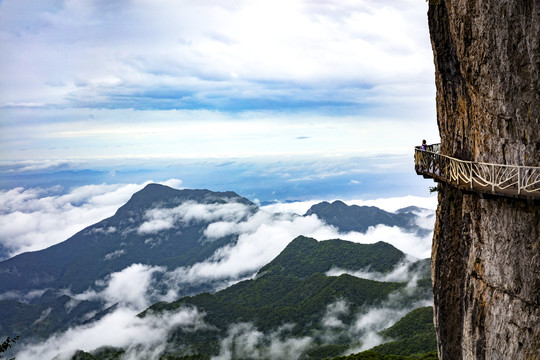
(486, 255)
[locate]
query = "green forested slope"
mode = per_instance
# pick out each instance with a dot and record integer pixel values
(292, 290)
(82, 259)
(305, 256)
(413, 334)
(412, 337)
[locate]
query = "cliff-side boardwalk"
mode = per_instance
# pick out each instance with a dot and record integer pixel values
(487, 178)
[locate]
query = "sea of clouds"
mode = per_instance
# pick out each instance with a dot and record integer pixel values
(35, 218)
(143, 338)
(262, 235)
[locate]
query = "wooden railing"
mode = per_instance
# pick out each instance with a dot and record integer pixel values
(505, 180)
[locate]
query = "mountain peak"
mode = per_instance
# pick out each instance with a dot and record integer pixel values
(358, 218)
(157, 193)
(114, 243)
(305, 256)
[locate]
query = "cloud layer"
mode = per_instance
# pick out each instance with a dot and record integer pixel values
(261, 236)
(161, 219)
(33, 219)
(84, 79)
(142, 338)
(155, 55)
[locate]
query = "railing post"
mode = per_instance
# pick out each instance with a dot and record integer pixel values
(471, 174)
(519, 181)
(493, 177)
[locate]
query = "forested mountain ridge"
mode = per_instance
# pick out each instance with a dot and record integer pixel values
(117, 242)
(293, 291)
(162, 233)
(305, 256)
(360, 218)
(111, 245)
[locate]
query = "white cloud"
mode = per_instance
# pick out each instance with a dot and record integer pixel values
(409, 243)
(33, 165)
(400, 273)
(296, 207)
(245, 341)
(31, 219)
(22, 297)
(142, 338)
(43, 316)
(333, 312)
(260, 239)
(130, 286)
(133, 287)
(395, 203)
(373, 321)
(235, 47)
(115, 254)
(368, 322)
(165, 218)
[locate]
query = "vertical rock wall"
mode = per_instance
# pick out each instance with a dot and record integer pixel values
(486, 251)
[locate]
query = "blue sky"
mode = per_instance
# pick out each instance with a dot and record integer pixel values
(285, 99)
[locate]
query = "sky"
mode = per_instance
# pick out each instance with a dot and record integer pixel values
(276, 100)
(86, 80)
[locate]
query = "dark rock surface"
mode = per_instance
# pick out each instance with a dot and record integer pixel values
(486, 255)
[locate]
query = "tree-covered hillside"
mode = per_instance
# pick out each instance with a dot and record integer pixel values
(119, 241)
(292, 291)
(129, 237)
(305, 256)
(292, 305)
(153, 245)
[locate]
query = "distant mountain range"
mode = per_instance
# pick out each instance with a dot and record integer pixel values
(291, 288)
(359, 218)
(117, 242)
